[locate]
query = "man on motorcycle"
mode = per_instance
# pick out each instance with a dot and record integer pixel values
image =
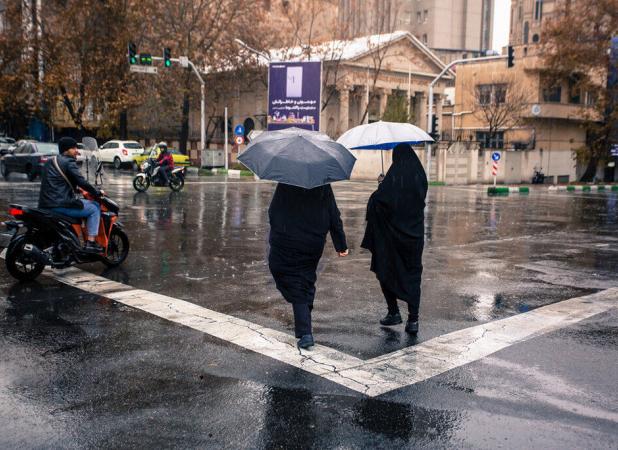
(60, 178)
(166, 162)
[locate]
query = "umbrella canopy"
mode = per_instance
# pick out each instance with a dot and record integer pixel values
(383, 136)
(298, 157)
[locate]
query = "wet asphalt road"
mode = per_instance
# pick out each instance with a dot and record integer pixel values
(78, 370)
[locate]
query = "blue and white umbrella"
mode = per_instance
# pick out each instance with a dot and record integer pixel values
(383, 136)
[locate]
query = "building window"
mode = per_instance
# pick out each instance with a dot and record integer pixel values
(484, 94)
(538, 10)
(535, 38)
(591, 98)
(575, 92)
(491, 93)
(552, 94)
(425, 16)
(425, 39)
(526, 32)
(499, 93)
(486, 141)
(419, 17)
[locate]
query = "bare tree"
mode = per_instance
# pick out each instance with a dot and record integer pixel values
(500, 103)
(379, 49)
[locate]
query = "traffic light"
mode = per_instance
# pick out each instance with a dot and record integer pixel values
(434, 127)
(167, 57)
(145, 59)
(511, 60)
(132, 53)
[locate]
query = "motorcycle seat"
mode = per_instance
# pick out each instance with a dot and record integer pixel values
(71, 220)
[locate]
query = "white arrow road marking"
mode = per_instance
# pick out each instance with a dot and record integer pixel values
(371, 377)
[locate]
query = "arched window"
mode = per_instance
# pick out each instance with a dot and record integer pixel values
(526, 32)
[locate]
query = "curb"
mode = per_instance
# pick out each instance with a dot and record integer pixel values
(584, 188)
(506, 190)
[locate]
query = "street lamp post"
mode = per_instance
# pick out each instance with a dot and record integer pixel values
(430, 99)
(264, 55)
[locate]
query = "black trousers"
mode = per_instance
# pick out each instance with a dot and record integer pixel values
(302, 318)
(165, 174)
(413, 303)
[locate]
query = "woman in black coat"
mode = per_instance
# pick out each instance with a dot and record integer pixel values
(395, 234)
(299, 221)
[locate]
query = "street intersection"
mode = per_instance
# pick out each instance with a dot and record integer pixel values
(189, 343)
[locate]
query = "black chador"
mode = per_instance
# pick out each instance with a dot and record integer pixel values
(395, 232)
(299, 221)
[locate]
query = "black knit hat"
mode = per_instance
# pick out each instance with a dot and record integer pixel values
(66, 143)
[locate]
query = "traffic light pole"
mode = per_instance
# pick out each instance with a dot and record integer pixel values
(184, 62)
(430, 99)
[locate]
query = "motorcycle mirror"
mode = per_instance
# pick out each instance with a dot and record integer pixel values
(90, 143)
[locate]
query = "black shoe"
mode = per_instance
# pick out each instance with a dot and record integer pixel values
(412, 327)
(93, 247)
(306, 341)
(391, 319)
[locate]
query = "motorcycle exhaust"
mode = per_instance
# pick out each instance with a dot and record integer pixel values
(36, 254)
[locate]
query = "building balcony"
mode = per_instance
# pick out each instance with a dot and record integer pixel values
(566, 111)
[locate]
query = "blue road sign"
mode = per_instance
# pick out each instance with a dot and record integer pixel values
(495, 156)
(614, 150)
(239, 130)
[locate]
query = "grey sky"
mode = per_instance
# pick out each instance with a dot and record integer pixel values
(502, 12)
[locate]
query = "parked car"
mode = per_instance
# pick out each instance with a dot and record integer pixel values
(5, 145)
(154, 152)
(120, 152)
(29, 157)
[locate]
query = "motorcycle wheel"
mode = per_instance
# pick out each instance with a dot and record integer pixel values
(176, 183)
(117, 248)
(141, 184)
(19, 265)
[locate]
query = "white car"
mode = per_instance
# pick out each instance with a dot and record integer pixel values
(120, 152)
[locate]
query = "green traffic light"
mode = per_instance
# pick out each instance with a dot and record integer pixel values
(168, 63)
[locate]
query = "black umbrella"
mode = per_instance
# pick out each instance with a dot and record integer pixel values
(298, 157)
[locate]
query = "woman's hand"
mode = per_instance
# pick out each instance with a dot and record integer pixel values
(344, 253)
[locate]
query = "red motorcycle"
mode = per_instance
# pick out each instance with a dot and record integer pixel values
(43, 238)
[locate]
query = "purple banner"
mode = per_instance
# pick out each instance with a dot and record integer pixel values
(294, 95)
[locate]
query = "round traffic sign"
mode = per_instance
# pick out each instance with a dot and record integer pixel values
(495, 156)
(239, 130)
(239, 140)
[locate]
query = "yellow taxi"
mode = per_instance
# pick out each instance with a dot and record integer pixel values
(154, 151)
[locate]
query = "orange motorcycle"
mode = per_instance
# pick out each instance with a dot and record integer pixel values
(43, 238)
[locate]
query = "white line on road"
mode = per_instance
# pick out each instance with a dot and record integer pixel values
(371, 377)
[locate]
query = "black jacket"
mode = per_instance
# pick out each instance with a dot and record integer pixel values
(55, 191)
(301, 218)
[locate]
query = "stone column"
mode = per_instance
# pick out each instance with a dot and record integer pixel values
(344, 109)
(384, 93)
(421, 112)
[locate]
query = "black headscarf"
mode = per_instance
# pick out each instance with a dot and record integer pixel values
(402, 192)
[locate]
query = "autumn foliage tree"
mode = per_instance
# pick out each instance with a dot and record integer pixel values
(577, 40)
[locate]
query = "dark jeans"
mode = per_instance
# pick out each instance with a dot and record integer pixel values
(165, 172)
(413, 303)
(302, 318)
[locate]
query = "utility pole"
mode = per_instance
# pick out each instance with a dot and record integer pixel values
(430, 99)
